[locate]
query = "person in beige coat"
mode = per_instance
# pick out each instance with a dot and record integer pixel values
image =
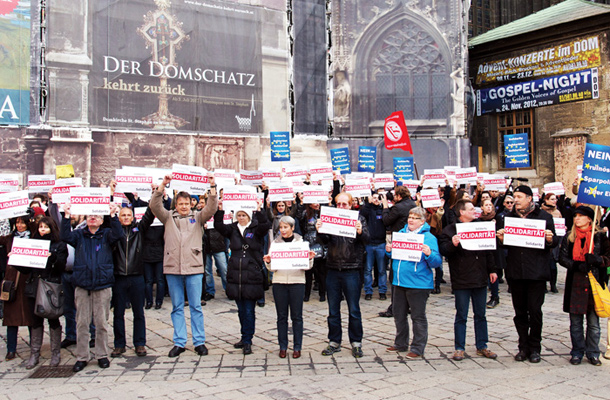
(183, 261)
(288, 292)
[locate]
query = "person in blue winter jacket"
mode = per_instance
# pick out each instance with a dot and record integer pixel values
(412, 283)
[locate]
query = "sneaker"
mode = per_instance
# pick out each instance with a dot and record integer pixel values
(487, 353)
(330, 350)
(493, 303)
(357, 352)
(382, 296)
(368, 297)
(459, 355)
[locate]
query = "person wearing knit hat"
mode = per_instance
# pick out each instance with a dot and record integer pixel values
(527, 270)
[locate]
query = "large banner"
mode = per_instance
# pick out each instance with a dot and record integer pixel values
(559, 59)
(184, 64)
(15, 76)
(576, 86)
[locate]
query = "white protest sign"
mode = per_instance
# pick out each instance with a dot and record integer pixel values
(120, 198)
(495, 182)
(315, 194)
(536, 195)
(560, 226)
(477, 235)
(133, 181)
(358, 187)
(139, 214)
(61, 191)
(279, 191)
(523, 232)
(477, 212)
(89, 201)
(384, 181)
(579, 171)
(554, 187)
(224, 177)
(290, 255)
(14, 204)
(239, 198)
(320, 172)
(271, 175)
(430, 198)
(434, 177)
(359, 175)
(295, 173)
(466, 176)
(227, 219)
(193, 180)
(339, 222)
(40, 183)
(251, 178)
(32, 253)
(9, 183)
(412, 185)
(450, 171)
(407, 246)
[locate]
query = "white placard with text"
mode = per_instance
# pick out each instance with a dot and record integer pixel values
(523, 232)
(339, 222)
(31, 253)
(90, 201)
(186, 178)
(477, 235)
(290, 255)
(407, 246)
(14, 204)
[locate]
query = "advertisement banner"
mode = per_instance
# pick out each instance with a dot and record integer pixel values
(90, 201)
(430, 198)
(576, 86)
(339, 222)
(14, 204)
(523, 232)
(293, 255)
(280, 146)
(367, 158)
(407, 246)
(190, 179)
(516, 151)
(40, 183)
(31, 253)
(15, 77)
(315, 194)
(340, 160)
(477, 235)
(184, 64)
(594, 187)
(239, 198)
(403, 169)
(559, 59)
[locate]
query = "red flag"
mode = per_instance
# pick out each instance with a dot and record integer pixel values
(395, 131)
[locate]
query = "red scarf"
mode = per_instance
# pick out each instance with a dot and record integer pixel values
(579, 251)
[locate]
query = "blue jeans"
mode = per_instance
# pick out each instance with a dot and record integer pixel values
(70, 309)
(580, 344)
(462, 300)
(289, 297)
(129, 288)
(193, 285)
(153, 272)
(247, 319)
(220, 260)
(375, 253)
(349, 284)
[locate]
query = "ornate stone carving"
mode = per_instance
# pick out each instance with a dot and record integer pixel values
(215, 152)
(342, 96)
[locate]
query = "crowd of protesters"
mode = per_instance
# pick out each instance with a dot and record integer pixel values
(114, 263)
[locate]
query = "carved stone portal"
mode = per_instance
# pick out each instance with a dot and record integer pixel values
(221, 153)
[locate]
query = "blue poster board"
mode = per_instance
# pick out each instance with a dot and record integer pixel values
(403, 169)
(340, 160)
(516, 151)
(367, 158)
(280, 146)
(595, 184)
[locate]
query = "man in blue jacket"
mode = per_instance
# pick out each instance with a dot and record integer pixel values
(93, 276)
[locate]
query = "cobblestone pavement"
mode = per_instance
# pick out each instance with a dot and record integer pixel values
(226, 374)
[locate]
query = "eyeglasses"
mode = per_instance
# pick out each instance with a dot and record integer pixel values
(509, 202)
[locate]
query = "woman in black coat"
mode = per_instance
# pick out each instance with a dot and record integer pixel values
(245, 274)
(578, 301)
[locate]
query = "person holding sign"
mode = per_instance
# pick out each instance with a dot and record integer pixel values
(183, 261)
(470, 270)
(93, 276)
(528, 268)
(576, 256)
(549, 204)
(289, 290)
(343, 279)
(245, 275)
(412, 283)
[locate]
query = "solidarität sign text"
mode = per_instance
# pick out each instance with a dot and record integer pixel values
(336, 221)
(32, 253)
(522, 232)
(407, 246)
(293, 255)
(477, 235)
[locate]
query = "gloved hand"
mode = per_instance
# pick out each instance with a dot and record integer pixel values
(580, 266)
(593, 261)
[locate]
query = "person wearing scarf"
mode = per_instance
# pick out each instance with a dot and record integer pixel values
(574, 255)
(527, 270)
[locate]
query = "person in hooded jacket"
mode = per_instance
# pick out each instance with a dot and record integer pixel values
(245, 274)
(412, 284)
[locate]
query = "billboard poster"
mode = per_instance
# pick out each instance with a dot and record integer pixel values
(563, 58)
(15, 77)
(187, 65)
(582, 85)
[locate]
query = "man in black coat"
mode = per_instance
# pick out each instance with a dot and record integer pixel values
(527, 270)
(469, 273)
